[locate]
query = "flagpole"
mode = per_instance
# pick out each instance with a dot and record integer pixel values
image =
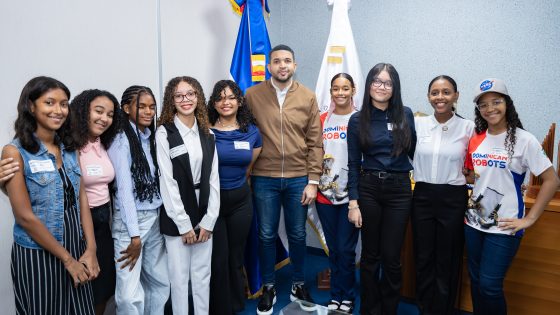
(249, 27)
(159, 49)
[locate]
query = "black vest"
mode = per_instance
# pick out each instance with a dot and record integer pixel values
(183, 175)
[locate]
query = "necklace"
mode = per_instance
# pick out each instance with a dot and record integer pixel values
(227, 126)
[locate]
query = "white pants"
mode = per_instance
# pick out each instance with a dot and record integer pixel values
(145, 288)
(189, 262)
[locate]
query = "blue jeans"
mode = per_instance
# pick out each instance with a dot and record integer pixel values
(489, 258)
(341, 237)
(269, 195)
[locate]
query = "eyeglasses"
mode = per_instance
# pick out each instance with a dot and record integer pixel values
(483, 107)
(387, 84)
(190, 96)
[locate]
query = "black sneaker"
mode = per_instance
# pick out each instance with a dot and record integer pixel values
(267, 300)
(300, 294)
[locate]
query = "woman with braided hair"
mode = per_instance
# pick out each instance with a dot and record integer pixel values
(190, 189)
(142, 284)
(499, 156)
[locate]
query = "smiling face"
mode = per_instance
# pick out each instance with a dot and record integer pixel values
(342, 92)
(50, 110)
(227, 105)
(282, 66)
(144, 113)
(185, 98)
(442, 97)
(101, 111)
(381, 94)
(494, 110)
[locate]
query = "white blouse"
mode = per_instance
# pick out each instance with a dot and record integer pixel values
(441, 150)
(169, 187)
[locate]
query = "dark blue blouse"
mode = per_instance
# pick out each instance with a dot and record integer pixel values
(376, 157)
(235, 150)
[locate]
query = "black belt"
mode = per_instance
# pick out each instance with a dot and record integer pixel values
(197, 186)
(384, 175)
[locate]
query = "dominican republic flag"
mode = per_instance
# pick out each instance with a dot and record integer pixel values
(248, 65)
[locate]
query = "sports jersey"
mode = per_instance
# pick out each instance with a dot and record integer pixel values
(498, 177)
(334, 176)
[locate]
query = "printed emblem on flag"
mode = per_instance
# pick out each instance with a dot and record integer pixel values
(258, 63)
(335, 54)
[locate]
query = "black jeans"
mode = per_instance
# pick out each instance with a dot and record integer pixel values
(385, 206)
(227, 284)
(437, 224)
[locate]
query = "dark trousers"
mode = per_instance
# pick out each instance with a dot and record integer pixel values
(104, 285)
(342, 237)
(227, 284)
(385, 207)
(489, 257)
(437, 225)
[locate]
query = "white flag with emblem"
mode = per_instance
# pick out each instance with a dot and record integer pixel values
(340, 56)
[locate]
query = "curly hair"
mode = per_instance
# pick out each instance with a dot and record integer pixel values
(512, 120)
(169, 110)
(145, 185)
(25, 124)
(243, 116)
(80, 109)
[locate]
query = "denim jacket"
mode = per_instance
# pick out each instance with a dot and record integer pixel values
(46, 191)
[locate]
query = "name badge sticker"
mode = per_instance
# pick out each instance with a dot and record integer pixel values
(389, 126)
(425, 139)
(41, 166)
(94, 170)
(178, 150)
(241, 145)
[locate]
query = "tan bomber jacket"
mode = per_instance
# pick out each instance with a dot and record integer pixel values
(292, 135)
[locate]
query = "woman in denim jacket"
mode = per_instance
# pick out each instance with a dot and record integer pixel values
(53, 256)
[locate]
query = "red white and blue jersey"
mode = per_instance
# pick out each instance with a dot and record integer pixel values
(498, 177)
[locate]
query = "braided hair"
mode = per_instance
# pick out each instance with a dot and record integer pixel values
(80, 109)
(145, 185)
(512, 120)
(243, 116)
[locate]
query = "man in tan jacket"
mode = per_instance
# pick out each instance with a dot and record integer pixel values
(287, 171)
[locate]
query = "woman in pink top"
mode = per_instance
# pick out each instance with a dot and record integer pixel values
(98, 111)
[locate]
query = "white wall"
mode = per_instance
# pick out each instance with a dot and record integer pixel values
(107, 45)
(516, 40)
(113, 44)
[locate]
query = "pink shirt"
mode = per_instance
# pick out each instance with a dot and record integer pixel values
(97, 173)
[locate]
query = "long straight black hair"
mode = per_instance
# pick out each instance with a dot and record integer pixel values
(395, 112)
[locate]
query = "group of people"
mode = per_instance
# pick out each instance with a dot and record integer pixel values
(109, 201)
(107, 204)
